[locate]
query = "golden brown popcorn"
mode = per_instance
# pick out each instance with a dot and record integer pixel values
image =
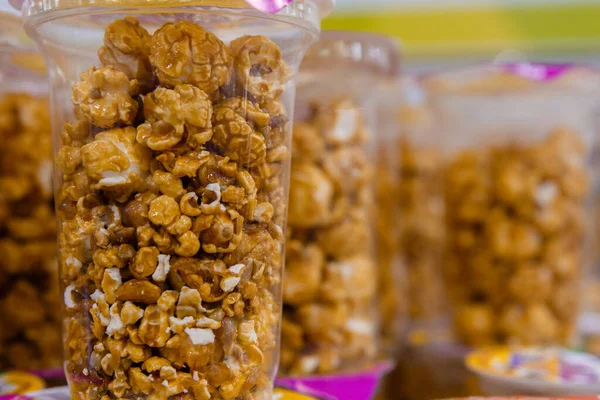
(33, 115)
(308, 144)
(340, 123)
(127, 48)
(104, 97)
(171, 228)
(114, 159)
(347, 237)
(184, 52)
(170, 113)
(311, 196)
(303, 272)
(168, 184)
(330, 278)
(259, 67)
(30, 298)
(348, 279)
(224, 233)
(235, 121)
(515, 233)
(475, 323)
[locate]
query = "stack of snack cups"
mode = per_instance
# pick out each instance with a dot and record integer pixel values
(172, 122)
(330, 318)
(517, 142)
(29, 294)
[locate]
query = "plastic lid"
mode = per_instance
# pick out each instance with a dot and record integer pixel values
(377, 52)
(56, 20)
(513, 78)
(271, 6)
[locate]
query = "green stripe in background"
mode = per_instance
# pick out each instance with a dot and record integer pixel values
(559, 27)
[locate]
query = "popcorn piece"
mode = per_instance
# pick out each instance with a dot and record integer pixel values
(104, 97)
(115, 325)
(164, 210)
(162, 269)
(184, 52)
(69, 303)
(311, 196)
(229, 283)
(126, 48)
(171, 113)
(115, 160)
(234, 123)
(259, 66)
(200, 336)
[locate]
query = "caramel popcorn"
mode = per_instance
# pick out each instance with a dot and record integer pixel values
(330, 277)
(236, 122)
(115, 160)
(104, 97)
(172, 221)
(184, 52)
(515, 232)
(127, 49)
(259, 67)
(29, 294)
(172, 113)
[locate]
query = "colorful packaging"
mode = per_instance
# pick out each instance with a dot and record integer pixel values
(16, 383)
(535, 371)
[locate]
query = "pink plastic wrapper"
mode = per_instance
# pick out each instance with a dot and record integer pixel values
(269, 6)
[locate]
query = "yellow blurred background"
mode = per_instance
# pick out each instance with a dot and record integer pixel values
(435, 33)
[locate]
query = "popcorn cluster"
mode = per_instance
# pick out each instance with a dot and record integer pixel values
(331, 276)
(515, 228)
(172, 212)
(29, 293)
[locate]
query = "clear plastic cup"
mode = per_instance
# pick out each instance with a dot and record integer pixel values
(330, 317)
(517, 143)
(29, 294)
(395, 301)
(406, 126)
(172, 122)
(421, 203)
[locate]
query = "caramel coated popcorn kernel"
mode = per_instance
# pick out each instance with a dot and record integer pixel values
(104, 97)
(172, 219)
(127, 49)
(259, 67)
(184, 52)
(330, 276)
